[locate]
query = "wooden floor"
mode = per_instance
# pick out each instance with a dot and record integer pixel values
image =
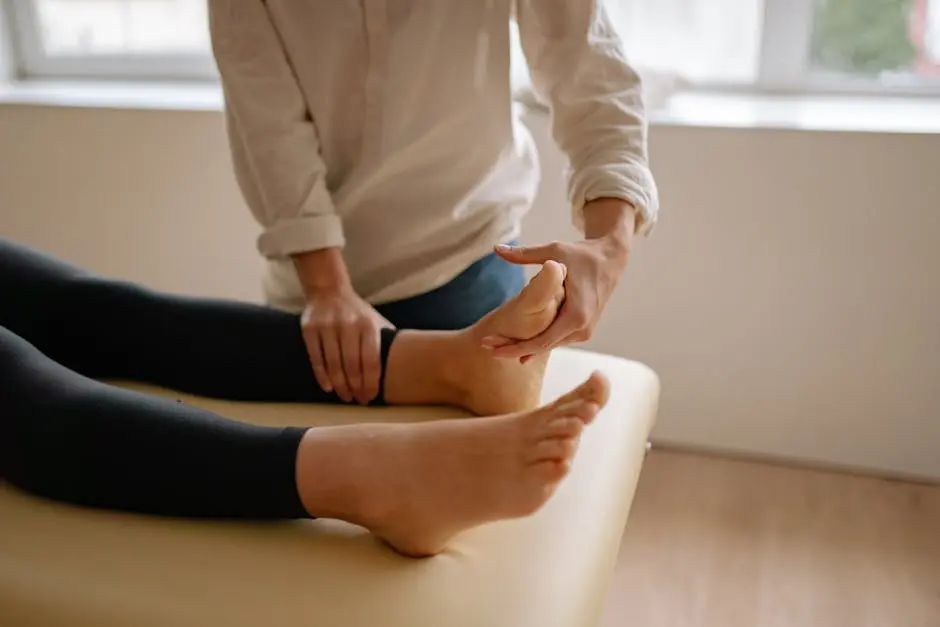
(722, 543)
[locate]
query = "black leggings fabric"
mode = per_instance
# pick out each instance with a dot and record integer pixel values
(68, 436)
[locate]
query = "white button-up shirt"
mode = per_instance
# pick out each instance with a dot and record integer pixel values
(386, 127)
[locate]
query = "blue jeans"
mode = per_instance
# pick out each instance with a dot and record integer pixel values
(478, 290)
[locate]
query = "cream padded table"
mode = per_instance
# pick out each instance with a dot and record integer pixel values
(62, 565)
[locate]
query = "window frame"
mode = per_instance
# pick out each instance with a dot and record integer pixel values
(34, 64)
(786, 29)
(783, 62)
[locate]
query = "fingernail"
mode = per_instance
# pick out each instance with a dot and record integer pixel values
(490, 341)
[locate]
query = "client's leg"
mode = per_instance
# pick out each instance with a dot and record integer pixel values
(108, 329)
(70, 438)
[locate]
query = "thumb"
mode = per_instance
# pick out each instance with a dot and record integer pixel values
(380, 321)
(384, 322)
(528, 254)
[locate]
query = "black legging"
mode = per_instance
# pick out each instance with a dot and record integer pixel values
(67, 436)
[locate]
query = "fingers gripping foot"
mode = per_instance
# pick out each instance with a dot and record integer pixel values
(495, 386)
(531, 311)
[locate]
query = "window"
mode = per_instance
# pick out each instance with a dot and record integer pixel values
(704, 41)
(128, 39)
(788, 45)
(894, 42)
(791, 45)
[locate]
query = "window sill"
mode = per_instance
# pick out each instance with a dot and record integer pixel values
(114, 95)
(860, 114)
(835, 113)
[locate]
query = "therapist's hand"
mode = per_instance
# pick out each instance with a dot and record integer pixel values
(594, 267)
(592, 274)
(342, 334)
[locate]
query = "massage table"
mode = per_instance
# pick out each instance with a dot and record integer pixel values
(77, 567)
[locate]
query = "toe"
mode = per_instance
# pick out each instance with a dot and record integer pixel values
(550, 472)
(586, 412)
(554, 449)
(552, 274)
(595, 389)
(544, 288)
(557, 271)
(564, 427)
(583, 411)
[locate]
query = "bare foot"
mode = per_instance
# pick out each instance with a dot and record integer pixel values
(531, 311)
(417, 485)
(455, 368)
(496, 386)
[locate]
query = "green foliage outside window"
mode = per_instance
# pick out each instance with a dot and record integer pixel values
(862, 36)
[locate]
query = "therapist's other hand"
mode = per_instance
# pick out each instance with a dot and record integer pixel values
(342, 334)
(594, 266)
(593, 270)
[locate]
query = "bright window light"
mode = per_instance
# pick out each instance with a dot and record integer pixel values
(889, 41)
(706, 41)
(790, 45)
(114, 27)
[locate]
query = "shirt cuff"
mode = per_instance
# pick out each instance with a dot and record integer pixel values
(316, 227)
(301, 235)
(631, 183)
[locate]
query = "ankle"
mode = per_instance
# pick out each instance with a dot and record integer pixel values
(423, 368)
(328, 474)
(485, 326)
(461, 373)
(486, 385)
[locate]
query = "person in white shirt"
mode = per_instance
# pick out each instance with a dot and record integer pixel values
(376, 144)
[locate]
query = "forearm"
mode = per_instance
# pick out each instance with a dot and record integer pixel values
(275, 146)
(598, 115)
(609, 166)
(609, 217)
(322, 271)
(612, 221)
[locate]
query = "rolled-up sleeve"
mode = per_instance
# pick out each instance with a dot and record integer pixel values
(578, 67)
(276, 149)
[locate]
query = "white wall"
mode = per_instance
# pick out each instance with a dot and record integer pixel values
(6, 50)
(788, 298)
(146, 195)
